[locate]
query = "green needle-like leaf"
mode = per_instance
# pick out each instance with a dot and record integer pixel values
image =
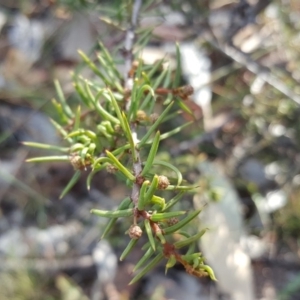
(170, 166)
(142, 90)
(86, 100)
(185, 108)
(91, 175)
(161, 237)
(123, 205)
(154, 126)
(190, 258)
(209, 270)
(46, 146)
(128, 249)
(171, 263)
(181, 187)
(120, 167)
(144, 38)
(196, 262)
(109, 74)
(83, 139)
(110, 60)
(142, 196)
(129, 136)
(66, 108)
(92, 66)
(152, 154)
(144, 258)
(157, 83)
(152, 188)
(71, 183)
(100, 161)
(145, 246)
(113, 214)
(84, 154)
(76, 147)
(61, 114)
(77, 118)
(117, 109)
(148, 268)
(177, 77)
(61, 131)
(174, 131)
(189, 240)
(83, 132)
(121, 149)
(108, 127)
(168, 79)
(104, 114)
(184, 233)
(155, 68)
(171, 115)
(103, 131)
(139, 73)
(182, 223)
(158, 201)
(104, 66)
(173, 201)
(149, 233)
(49, 158)
(157, 217)
(92, 148)
(191, 248)
(160, 78)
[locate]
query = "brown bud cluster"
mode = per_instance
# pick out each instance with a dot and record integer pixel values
(153, 117)
(141, 115)
(117, 128)
(139, 179)
(163, 182)
(111, 169)
(172, 221)
(135, 232)
(184, 91)
(77, 162)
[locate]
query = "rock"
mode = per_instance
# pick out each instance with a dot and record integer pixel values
(221, 244)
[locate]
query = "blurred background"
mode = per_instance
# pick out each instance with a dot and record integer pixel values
(243, 60)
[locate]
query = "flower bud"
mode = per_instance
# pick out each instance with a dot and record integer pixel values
(76, 162)
(141, 115)
(184, 91)
(135, 64)
(153, 117)
(117, 128)
(163, 182)
(135, 232)
(111, 169)
(172, 221)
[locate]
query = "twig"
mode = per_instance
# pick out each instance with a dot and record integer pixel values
(254, 67)
(245, 60)
(242, 15)
(129, 41)
(128, 82)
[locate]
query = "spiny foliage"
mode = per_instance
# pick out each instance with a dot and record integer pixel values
(110, 130)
